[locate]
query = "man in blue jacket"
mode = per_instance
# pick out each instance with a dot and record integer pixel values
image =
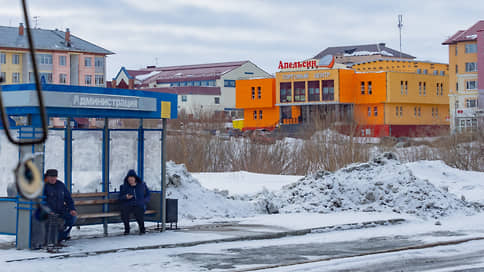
(134, 195)
(60, 202)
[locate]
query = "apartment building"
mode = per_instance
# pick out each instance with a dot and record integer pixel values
(466, 78)
(62, 58)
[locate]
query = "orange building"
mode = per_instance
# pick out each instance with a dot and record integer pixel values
(383, 97)
(257, 98)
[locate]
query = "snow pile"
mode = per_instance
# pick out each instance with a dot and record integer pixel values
(197, 202)
(382, 184)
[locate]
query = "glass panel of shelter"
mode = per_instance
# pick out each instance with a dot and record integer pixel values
(8, 158)
(152, 160)
(54, 152)
(87, 146)
(123, 156)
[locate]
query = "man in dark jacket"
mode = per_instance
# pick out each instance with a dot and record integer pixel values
(60, 202)
(134, 195)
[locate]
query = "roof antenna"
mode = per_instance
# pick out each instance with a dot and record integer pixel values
(400, 26)
(36, 19)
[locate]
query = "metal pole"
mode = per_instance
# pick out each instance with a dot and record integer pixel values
(163, 176)
(106, 141)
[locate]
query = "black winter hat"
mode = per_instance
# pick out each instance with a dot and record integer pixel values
(51, 173)
(132, 173)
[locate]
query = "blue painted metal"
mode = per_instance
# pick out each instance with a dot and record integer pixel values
(90, 112)
(141, 150)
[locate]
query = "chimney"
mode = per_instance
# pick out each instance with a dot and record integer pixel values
(68, 37)
(21, 29)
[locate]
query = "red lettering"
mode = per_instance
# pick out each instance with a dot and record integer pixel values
(305, 64)
(280, 65)
(286, 65)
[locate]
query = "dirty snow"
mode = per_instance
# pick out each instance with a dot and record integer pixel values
(197, 202)
(382, 184)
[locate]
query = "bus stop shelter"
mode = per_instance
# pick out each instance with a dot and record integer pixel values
(88, 159)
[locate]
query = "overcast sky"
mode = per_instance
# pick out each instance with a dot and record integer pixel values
(177, 32)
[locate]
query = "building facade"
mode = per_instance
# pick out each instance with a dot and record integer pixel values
(385, 97)
(202, 88)
(466, 79)
(258, 98)
(62, 58)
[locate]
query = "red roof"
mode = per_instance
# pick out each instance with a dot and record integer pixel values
(187, 90)
(465, 35)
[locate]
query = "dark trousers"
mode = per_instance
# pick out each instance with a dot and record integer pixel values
(139, 213)
(69, 221)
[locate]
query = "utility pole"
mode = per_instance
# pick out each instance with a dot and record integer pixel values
(400, 26)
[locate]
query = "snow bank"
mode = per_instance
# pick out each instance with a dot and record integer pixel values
(382, 184)
(197, 202)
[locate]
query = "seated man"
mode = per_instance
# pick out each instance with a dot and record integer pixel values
(60, 202)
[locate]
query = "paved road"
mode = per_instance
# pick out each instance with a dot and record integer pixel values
(273, 253)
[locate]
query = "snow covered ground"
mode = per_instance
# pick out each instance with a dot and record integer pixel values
(427, 194)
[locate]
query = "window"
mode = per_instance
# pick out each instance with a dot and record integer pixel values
(46, 76)
(197, 83)
(87, 62)
(184, 98)
(369, 87)
(15, 59)
(406, 87)
(369, 111)
(424, 88)
(229, 83)
(433, 112)
(471, 103)
(217, 100)
(375, 111)
(255, 115)
(456, 49)
(401, 87)
(425, 71)
(456, 69)
(471, 66)
(62, 60)
(99, 80)
(15, 77)
(62, 78)
(259, 93)
(189, 83)
(299, 91)
(362, 87)
(45, 59)
(456, 86)
(420, 88)
(396, 111)
(285, 92)
(436, 72)
(253, 92)
(442, 73)
(438, 88)
(419, 71)
(415, 111)
(328, 90)
(3, 75)
(3, 58)
(401, 111)
(260, 115)
(471, 85)
(99, 62)
(313, 91)
(471, 48)
(419, 111)
(88, 79)
(436, 112)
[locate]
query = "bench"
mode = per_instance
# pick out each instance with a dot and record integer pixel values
(93, 208)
